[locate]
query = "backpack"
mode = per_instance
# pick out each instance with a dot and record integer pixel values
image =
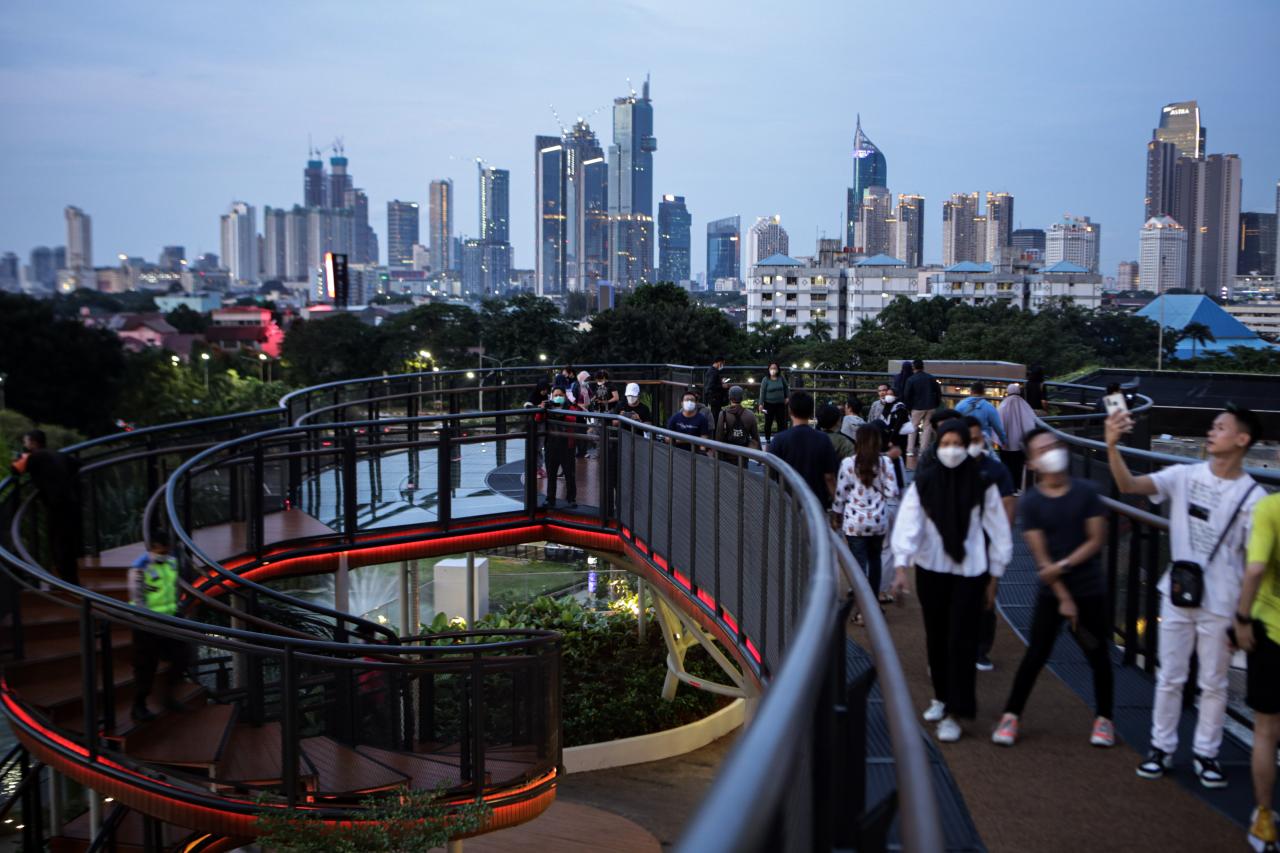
(735, 435)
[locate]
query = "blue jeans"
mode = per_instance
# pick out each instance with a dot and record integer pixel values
(866, 550)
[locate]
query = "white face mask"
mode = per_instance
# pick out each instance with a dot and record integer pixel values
(889, 398)
(976, 450)
(559, 401)
(689, 405)
(1053, 461)
(773, 371)
(952, 456)
(631, 401)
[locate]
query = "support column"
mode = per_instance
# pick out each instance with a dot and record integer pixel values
(472, 610)
(406, 627)
(342, 585)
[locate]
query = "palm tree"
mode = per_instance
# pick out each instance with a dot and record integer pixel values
(1197, 333)
(819, 329)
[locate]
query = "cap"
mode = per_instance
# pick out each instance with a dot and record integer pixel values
(633, 390)
(735, 393)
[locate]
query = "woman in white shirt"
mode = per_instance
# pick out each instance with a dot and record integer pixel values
(953, 529)
(866, 487)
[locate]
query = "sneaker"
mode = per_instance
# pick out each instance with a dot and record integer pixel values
(1154, 765)
(948, 730)
(142, 714)
(1209, 772)
(935, 712)
(1103, 734)
(984, 664)
(571, 505)
(1262, 831)
(1006, 734)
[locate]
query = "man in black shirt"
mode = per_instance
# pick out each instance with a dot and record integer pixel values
(807, 450)
(714, 393)
(1064, 525)
(631, 407)
(922, 395)
(56, 477)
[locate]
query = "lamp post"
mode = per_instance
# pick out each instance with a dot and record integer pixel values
(204, 356)
(262, 367)
(1160, 335)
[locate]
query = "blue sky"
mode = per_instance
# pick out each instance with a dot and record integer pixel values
(154, 116)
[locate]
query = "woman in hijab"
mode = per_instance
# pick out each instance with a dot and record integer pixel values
(953, 529)
(900, 381)
(1019, 419)
(1034, 392)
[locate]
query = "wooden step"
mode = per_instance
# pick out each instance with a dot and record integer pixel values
(424, 772)
(341, 771)
(50, 685)
(55, 656)
(67, 709)
(253, 756)
(75, 835)
(195, 738)
(187, 693)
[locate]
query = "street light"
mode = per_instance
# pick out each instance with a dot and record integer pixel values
(542, 356)
(204, 356)
(262, 367)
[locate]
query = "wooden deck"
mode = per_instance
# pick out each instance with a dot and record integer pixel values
(568, 828)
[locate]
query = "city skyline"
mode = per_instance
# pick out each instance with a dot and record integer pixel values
(143, 191)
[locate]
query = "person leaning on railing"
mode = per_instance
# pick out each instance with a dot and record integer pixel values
(1209, 507)
(56, 476)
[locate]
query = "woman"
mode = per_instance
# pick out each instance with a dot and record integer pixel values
(537, 397)
(865, 487)
(774, 393)
(1018, 419)
(1034, 392)
(900, 381)
(953, 529)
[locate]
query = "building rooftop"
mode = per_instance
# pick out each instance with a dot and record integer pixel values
(880, 261)
(1065, 266)
(779, 260)
(1177, 311)
(969, 266)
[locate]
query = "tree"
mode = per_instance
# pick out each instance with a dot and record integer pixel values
(187, 321)
(1198, 333)
(448, 332)
(657, 324)
(329, 349)
(522, 328)
(819, 329)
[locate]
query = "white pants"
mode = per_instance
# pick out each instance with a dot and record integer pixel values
(1182, 630)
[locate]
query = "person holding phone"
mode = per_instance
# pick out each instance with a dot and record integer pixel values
(1065, 527)
(1209, 508)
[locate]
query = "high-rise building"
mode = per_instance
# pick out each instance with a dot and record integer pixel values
(674, 239)
(9, 271)
(43, 269)
(275, 229)
(1162, 157)
(402, 233)
(440, 228)
(1257, 254)
(495, 204)
(79, 243)
(1162, 253)
(314, 187)
(873, 232)
(240, 243)
(486, 267)
(586, 208)
(766, 238)
(1076, 240)
(1028, 240)
(296, 251)
(365, 250)
(1180, 125)
(999, 236)
(339, 180)
(1207, 204)
(870, 169)
(631, 190)
(723, 256)
(550, 219)
(908, 231)
(1127, 275)
(959, 229)
(1179, 136)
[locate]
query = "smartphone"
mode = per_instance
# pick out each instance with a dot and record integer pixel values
(1115, 403)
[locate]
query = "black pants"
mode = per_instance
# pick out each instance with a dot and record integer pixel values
(952, 607)
(1095, 628)
(866, 550)
(66, 531)
(987, 633)
(774, 412)
(1016, 462)
(148, 650)
(560, 459)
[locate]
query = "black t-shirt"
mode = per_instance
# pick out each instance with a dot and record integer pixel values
(810, 452)
(637, 412)
(55, 476)
(995, 472)
(1063, 522)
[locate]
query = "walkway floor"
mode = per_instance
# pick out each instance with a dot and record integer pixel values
(569, 827)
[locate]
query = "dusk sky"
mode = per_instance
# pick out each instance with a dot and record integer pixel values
(153, 117)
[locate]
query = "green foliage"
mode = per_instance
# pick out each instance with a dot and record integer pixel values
(188, 321)
(69, 305)
(448, 332)
(657, 323)
(326, 350)
(13, 424)
(402, 821)
(522, 328)
(157, 391)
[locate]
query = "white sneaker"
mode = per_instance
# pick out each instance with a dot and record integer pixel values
(936, 712)
(948, 730)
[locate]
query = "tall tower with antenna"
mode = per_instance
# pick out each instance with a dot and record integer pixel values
(631, 226)
(314, 188)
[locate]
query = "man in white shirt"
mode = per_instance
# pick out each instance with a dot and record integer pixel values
(1209, 508)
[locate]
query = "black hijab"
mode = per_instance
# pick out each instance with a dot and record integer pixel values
(948, 495)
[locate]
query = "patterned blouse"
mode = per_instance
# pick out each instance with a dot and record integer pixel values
(864, 510)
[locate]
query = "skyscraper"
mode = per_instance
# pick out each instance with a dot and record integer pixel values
(1257, 244)
(1180, 125)
(172, 258)
(1076, 240)
(586, 208)
(275, 227)
(999, 236)
(870, 169)
(1162, 157)
(1028, 241)
(79, 244)
(1162, 254)
(1127, 275)
(495, 205)
(631, 190)
(486, 267)
(402, 233)
(43, 269)
(549, 217)
(240, 243)
(723, 257)
(8, 271)
(1217, 232)
(959, 229)
(766, 238)
(908, 236)
(873, 233)
(339, 180)
(314, 189)
(440, 228)
(365, 250)
(674, 239)
(296, 251)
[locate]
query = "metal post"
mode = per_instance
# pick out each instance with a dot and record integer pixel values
(95, 811)
(444, 473)
(406, 630)
(640, 607)
(88, 669)
(349, 495)
(256, 522)
(342, 583)
(288, 725)
(473, 608)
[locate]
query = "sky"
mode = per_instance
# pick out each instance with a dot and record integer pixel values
(153, 117)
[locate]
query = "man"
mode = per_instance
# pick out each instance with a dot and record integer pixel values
(56, 477)
(559, 447)
(153, 585)
(1257, 624)
(564, 379)
(807, 450)
(923, 394)
(631, 407)
(1209, 508)
(1065, 526)
(877, 408)
(737, 425)
(852, 417)
(713, 391)
(993, 471)
(977, 405)
(828, 420)
(689, 420)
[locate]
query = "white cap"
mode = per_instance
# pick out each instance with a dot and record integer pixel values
(633, 390)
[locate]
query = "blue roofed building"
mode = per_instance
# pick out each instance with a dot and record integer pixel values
(1028, 284)
(1177, 311)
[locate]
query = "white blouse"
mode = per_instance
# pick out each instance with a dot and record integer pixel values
(917, 542)
(864, 510)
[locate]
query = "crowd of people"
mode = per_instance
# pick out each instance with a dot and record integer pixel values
(936, 492)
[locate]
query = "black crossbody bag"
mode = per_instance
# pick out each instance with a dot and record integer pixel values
(1186, 577)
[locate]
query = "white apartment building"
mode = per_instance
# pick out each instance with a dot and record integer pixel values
(1028, 286)
(1076, 240)
(1162, 255)
(1260, 317)
(789, 293)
